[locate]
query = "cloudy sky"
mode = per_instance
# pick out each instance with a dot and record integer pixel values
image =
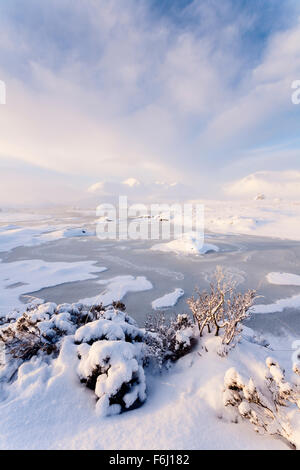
(99, 91)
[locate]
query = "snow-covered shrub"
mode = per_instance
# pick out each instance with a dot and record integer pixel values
(111, 354)
(39, 330)
(113, 325)
(168, 340)
(110, 348)
(283, 393)
(264, 409)
(221, 308)
(118, 305)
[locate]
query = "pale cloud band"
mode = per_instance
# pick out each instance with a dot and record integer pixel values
(111, 90)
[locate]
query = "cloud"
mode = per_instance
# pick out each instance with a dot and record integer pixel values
(141, 192)
(273, 184)
(122, 86)
(28, 185)
(131, 182)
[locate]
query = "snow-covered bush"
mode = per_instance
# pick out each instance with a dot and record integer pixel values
(36, 332)
(221, 308)
(118, 305)
(111, 349)
(168, 340)
(264, 409)
(111, 354)
(39, 330)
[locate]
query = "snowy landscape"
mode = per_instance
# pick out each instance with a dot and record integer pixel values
(44, 266)
(150, 225)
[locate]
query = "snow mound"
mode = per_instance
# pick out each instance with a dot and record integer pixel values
(190, 243)
(168, 300)
(70, 232)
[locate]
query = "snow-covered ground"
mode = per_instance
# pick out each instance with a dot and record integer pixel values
(48, 408)
(13, 236)
(43, 258)
(268, 218)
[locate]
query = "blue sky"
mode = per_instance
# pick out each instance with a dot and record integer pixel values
(197, 92)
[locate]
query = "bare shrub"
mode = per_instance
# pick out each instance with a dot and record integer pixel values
(221, 308)
(264, 409)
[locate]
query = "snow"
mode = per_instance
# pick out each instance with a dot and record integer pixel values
(105, 328)
(266, 218)
(20, 277)
(284, 279)
(12, 236)
(269, 184)
(168, 300)
(184, 337)
(278, 306)
(69, 232)
(190, 243)
(15, 216)
(117, 288)
(184, 407)
(123, 366)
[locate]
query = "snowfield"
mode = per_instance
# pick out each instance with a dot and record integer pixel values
(276, 218)
(12, 236)
(48, 408)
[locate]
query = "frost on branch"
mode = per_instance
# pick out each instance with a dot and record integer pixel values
(283, 392)
(111, 354)
(168, 340)
(221, 308)
(265, 410)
